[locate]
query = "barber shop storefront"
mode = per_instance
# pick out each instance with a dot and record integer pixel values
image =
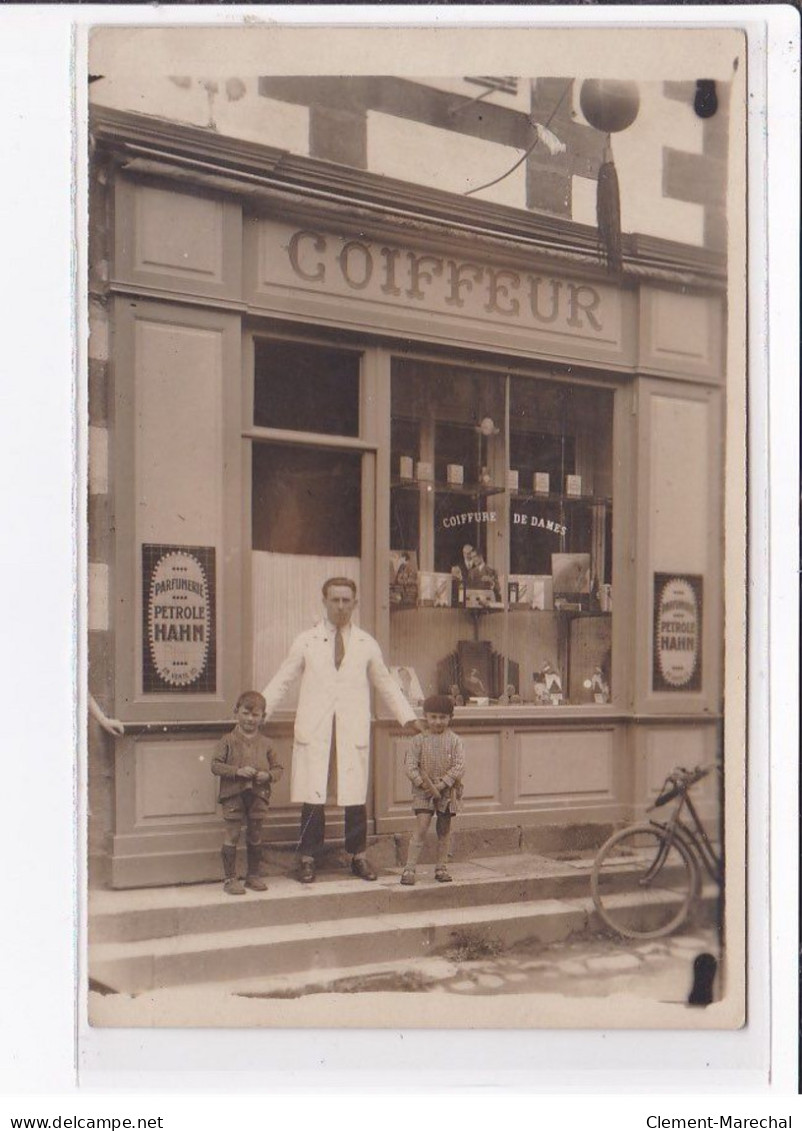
(516, 455)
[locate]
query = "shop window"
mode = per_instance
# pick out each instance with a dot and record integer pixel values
(306, 501)
(501, 535)
(305, 388)
(306, 526)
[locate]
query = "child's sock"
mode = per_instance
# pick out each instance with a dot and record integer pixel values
(415, 849)
(443, 845)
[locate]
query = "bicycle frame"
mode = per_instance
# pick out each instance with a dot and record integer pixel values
(696, 840)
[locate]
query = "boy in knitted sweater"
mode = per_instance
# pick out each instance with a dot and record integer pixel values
(246, 764)
(435, 764)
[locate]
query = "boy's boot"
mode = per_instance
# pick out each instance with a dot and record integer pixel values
(232, 885)
(254, 879)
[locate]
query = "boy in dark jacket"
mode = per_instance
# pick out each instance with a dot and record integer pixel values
(246, 765)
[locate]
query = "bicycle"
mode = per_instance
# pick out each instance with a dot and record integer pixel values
(646, 878)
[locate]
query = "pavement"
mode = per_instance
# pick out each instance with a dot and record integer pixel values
(579, 983)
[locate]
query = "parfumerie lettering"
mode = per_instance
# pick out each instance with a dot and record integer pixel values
(396, 273)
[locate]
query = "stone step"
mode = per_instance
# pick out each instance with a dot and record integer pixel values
(137, 967)
(292, 948)
(131, 916)
(194, 857)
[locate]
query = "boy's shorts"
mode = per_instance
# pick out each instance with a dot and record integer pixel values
(245, 806)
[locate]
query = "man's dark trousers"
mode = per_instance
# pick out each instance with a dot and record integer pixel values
(313, 828)
(313, 817)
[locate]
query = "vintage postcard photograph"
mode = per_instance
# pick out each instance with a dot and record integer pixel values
(416, 537)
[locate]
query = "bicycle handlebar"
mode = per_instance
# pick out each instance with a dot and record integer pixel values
(680, 781)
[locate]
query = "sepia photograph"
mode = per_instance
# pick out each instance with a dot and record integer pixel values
(354, 303)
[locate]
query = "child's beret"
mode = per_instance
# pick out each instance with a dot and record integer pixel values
(438, 705)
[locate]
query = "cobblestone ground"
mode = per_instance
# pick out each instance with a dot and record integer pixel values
(589, 967)
(598, 966)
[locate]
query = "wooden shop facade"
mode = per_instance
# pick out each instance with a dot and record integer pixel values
(306, 370)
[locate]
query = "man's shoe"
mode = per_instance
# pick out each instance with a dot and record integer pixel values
(360, 867)
(442, 875)
(408, 877)
(233, 886)
(255, 883)
(306, 872)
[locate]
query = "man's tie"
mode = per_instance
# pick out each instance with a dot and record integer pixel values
(339, 648)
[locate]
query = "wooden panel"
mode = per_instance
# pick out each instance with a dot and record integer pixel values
(570, 765)
(178, 393)
(681, 334)
(679, 528)
(675, 746)
(174, 779)
(679, 484)
(482, 773)
(482, 767)
(177, 474)
(177, 240)
(178, 234)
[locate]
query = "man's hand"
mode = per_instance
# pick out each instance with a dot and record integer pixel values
(434, 793)
(263, 778)
(415, 726)
(246, 772)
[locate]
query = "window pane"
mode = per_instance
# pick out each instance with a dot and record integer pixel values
(306, 388)
(504, 593)
(306, 501)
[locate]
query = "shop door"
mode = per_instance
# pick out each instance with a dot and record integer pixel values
(312, 483)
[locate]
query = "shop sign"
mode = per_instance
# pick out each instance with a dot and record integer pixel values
(677, 632)
(410, 277)
(178, 587)
(536, 522)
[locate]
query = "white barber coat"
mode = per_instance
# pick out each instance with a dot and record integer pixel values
(339, 696)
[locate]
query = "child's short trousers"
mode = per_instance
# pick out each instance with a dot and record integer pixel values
(245, 806)
(434, 813)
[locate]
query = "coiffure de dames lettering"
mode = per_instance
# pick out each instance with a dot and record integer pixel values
(723, 1121)
(395, 273)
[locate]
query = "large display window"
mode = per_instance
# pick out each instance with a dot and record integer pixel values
(501, 527)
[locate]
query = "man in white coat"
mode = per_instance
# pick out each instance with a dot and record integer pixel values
(337, 663)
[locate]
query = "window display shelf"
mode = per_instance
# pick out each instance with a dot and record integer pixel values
(536, 497)
(571, 614)
(466, 489)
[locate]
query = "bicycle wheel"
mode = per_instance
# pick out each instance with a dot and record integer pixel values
(643, 882)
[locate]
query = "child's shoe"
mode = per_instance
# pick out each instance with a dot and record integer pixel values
(442, 875)
(232, 885)
(408, 877)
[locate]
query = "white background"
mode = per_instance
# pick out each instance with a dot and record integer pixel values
(40, 446)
